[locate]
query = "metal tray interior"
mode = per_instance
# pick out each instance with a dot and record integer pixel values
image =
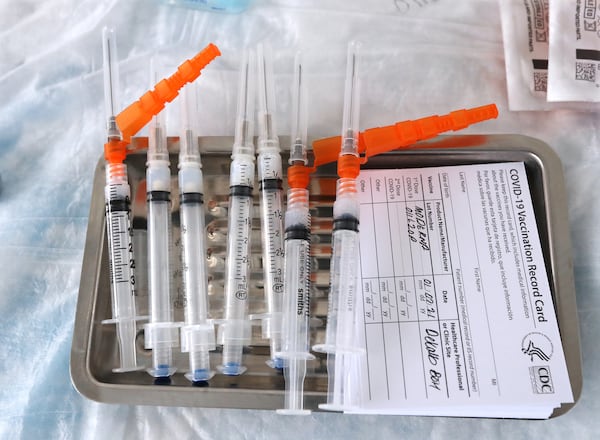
(94, 351)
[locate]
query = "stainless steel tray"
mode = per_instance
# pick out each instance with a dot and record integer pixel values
(94, 350)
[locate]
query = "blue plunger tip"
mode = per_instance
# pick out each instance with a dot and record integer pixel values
(162, 370)
(202, 374)
(232, 369)
(275, 363)
(162, 381)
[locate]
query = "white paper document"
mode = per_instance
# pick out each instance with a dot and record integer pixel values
(456, 306)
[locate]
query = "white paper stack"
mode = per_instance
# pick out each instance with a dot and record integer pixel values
(457, 311)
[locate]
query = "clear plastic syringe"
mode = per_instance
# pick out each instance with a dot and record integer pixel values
(234, 331)
(271, 204)
(198, 333)
(118, 217)
(296, 297)
(161, 333)
(343, 352)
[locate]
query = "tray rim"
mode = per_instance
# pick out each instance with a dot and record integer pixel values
(560, 255)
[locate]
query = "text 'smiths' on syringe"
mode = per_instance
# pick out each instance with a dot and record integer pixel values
(234, 329)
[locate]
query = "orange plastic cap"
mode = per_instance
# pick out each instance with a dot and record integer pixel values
(402, 134)
(115, 151)
(348, 166)
(133, 118)
(298, 176)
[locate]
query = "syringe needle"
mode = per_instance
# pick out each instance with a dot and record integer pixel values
(340, 341)
(271, 203)
(234, 331)
(197, 336)
(296, 296)
(111, 81)
(118, 222)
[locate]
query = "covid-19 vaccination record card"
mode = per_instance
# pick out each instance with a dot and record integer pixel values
(454, 308)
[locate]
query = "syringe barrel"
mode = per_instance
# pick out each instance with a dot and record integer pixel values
(235, 329)
(345, 354)
(271, 203)
(122, 263)
(296, 306)
(342, 294)
(296, 301)
(161, 333)
(195, 278)
(344, 268)
(238, 253)
(159, 222)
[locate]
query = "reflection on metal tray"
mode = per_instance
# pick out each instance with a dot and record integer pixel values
(94, 352)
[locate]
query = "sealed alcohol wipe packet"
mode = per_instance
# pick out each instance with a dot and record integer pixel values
(525, 35)
(574, 67)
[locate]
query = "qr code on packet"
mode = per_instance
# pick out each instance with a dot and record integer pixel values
(585, 71)
(540, 81)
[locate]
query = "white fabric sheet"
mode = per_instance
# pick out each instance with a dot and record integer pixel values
(422, 57)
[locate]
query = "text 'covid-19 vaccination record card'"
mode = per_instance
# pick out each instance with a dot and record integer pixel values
(456, 306)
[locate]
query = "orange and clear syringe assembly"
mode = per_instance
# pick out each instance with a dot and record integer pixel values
(351, 150)
(120, 128)
(295, 345)
(344, 353)
(117, 195)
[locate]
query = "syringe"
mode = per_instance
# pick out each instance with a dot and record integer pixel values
(161, 333)
(271, 204)
(121, 128)
(118, 222)
(343, 352)
(234, 331)
(198, 334)
(296, 297)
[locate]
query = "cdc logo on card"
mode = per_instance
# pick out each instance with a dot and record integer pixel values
(541, 379)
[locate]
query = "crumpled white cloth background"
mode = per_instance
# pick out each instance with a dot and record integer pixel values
(421, 57)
